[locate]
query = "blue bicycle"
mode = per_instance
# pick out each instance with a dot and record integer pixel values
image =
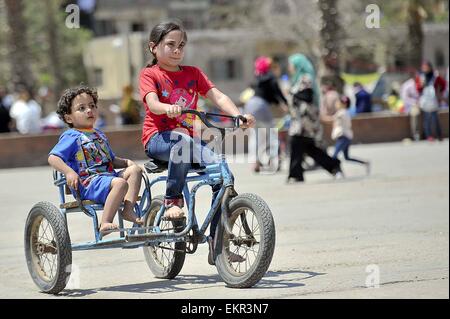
(246, 227)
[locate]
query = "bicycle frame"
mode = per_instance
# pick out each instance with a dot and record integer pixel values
(211, 175)
(250, 246)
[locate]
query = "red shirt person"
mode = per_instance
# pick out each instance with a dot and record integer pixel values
(179, 88)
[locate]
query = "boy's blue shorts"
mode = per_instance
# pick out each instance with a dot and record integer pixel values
(98, 188)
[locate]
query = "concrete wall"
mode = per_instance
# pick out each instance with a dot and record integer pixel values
(21, 151)
(375, 128)
(32, 150)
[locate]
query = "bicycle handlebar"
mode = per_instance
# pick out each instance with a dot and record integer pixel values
(204, 118)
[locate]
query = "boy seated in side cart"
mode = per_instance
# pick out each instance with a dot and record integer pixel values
(84, 156)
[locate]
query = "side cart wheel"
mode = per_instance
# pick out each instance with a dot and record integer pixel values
(48, 249)
(243, 257)
(164, 259)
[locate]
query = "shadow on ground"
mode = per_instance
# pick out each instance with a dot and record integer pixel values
(273, 279)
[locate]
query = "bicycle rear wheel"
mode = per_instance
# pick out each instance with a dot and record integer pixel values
(48, 249)
(165, 260)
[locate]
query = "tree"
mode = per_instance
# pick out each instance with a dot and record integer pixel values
(40, 49)
(290, 21)
(54, 51)
(418, 12)
(401, 25)
(18, 50)
(331, 37)
(57, 51)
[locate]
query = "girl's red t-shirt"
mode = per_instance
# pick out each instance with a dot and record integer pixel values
(179, 87)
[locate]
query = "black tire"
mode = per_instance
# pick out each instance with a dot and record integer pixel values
(164, 263)
(253, 228)
(48, 249)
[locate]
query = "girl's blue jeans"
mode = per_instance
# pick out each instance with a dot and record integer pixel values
(181, 151)
(343, 145)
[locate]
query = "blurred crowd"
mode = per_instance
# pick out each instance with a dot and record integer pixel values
(293, 103)
(22, 111)
(305, 108)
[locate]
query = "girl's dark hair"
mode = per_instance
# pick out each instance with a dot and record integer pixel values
(65, 101)
(160, 31)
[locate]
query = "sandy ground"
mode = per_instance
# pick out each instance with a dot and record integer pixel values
(333, 236)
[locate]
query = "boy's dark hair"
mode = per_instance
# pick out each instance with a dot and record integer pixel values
(160, 31)
(65, 101)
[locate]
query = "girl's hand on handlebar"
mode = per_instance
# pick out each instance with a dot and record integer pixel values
(250, 121)
(173, 110)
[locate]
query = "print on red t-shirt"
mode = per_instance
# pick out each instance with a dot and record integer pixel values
(180, 87)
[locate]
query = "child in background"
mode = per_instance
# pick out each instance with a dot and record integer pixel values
(84, 156)
(342, 131)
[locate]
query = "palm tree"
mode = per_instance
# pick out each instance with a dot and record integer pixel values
(415, 31)
(418, 12)
(413, 14)
(330, 35)
(53, 41)
(18, 51)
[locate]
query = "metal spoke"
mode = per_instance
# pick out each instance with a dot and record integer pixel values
(257, 226)
(45, 230)
(42, 241)
(49, 266)
(164, 252)
(244, 243)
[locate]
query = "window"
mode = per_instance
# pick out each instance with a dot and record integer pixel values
(98, 77)
(225, 69)
(439, 58)
(104, 27)
(137, 27)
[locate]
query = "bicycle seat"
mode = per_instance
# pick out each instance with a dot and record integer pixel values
(155, 166)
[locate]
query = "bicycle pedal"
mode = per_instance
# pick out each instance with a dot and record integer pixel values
(170, 219)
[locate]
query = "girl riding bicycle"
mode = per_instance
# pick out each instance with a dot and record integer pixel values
(166, 88)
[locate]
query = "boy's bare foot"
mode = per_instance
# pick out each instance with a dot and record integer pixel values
(173, 212)
(107, 228)
(131, 217)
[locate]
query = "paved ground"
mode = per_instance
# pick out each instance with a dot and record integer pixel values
(331, 235)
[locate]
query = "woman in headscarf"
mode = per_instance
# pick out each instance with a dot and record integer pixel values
(305, 125)
(267, 92)
(300, 65)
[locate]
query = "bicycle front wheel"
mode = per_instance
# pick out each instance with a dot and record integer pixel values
(243, 257)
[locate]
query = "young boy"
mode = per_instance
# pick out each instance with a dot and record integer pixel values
(84, 156)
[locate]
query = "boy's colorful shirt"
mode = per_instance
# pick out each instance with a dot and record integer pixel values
(87, 152)
(180, 87)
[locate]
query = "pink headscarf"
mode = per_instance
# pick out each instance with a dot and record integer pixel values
(262, 65)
